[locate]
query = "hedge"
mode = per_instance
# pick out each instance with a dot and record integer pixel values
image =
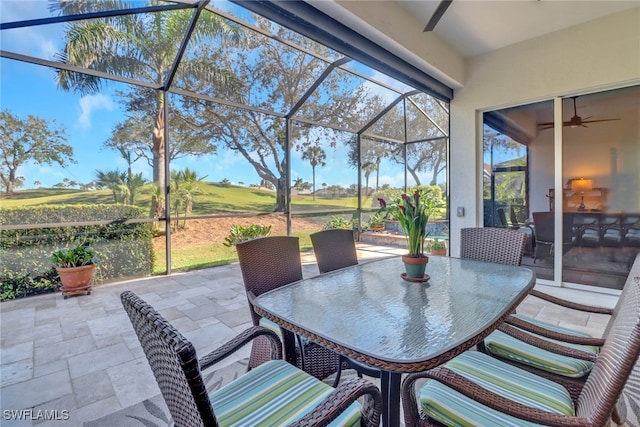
(123, 250)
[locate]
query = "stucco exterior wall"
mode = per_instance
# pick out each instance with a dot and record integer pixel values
(598, 55)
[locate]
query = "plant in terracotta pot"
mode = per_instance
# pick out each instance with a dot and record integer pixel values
(437, 247)
(376, 221)
(412, 213)
(75, 267)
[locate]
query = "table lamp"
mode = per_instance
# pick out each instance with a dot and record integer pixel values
(581, 185)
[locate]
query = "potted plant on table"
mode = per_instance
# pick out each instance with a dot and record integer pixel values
(75, 267)
(412, 213)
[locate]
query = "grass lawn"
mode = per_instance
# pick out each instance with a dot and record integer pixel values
(212, 198)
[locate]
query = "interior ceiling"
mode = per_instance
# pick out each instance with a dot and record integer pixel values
(474, 27)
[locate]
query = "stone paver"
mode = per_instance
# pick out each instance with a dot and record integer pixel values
(81, 354)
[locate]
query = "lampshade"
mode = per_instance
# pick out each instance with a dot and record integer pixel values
(581, 185)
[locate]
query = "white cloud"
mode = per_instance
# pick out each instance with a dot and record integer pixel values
(39, 41)
(90, 103)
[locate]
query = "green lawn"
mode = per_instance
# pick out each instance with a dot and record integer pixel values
(212, 199)
(209, 255)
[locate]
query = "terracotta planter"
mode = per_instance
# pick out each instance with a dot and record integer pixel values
(415, 267)
(76, 277)
(377, 227)
(441, 252)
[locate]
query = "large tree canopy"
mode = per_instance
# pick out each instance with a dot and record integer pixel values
(274, 77)
(142, 47)
(33, 139)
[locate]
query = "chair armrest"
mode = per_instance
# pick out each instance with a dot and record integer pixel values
(240, 341)
(538, 330)
(481, 395)
(343, 396)
(570, 304)
(547, 345)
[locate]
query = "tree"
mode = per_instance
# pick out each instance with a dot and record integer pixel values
(133, 181)
(428, 120)
(274, 77)
(316, 156)
(33, 139)
(184, 186)
(112, 180)
(137, 46)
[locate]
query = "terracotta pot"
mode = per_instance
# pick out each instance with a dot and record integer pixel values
(76, 277)
(377, 227)
(415, 267)
(441, 252)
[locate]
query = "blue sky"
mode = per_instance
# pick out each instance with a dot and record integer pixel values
(89, 120)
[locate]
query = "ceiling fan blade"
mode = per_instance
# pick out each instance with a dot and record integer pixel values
(546, 124)
(442, 7)
(599, 120)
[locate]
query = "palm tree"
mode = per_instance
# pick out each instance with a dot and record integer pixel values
(138, 46)
(316, 156)
(111, 180)
(184, 186)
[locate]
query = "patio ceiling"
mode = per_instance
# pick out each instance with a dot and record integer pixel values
(476, 27)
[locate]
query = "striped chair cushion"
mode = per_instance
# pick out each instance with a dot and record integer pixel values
(452, 408)
(274, 394)
(506, 346)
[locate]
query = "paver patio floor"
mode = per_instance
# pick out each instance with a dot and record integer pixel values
(79, 356)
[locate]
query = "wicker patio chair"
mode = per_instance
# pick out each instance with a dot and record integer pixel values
(502, 218)
(561, 354)
(273, 393)
(492, 244)
(334, 249)
(454, 389)
(268, 263)
(544, 229)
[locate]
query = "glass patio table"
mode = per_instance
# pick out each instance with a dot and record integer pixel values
(369, 313)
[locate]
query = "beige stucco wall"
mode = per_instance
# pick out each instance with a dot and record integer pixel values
(598, 55)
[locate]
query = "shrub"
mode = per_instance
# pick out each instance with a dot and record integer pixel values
(123, 249)
(22, 284)
(337, 222)
(239, 234)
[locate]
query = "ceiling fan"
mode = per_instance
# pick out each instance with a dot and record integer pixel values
(575, 121)
(433, 21)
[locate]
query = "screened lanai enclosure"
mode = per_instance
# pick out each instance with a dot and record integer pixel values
(149, 129)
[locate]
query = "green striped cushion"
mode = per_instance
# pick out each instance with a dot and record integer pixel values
(503, 345)
(552, 327)
(452, 408)
(266, 323)
(274, 394)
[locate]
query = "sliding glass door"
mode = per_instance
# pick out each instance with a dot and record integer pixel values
(601, 193)
(596, 209)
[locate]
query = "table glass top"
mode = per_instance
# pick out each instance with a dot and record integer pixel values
(372, 310)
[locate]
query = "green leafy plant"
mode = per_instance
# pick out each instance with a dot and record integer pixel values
(337, 222)
(239, 234)
(75, 257)
(437, 244)
(412, 212)
(378, 218)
